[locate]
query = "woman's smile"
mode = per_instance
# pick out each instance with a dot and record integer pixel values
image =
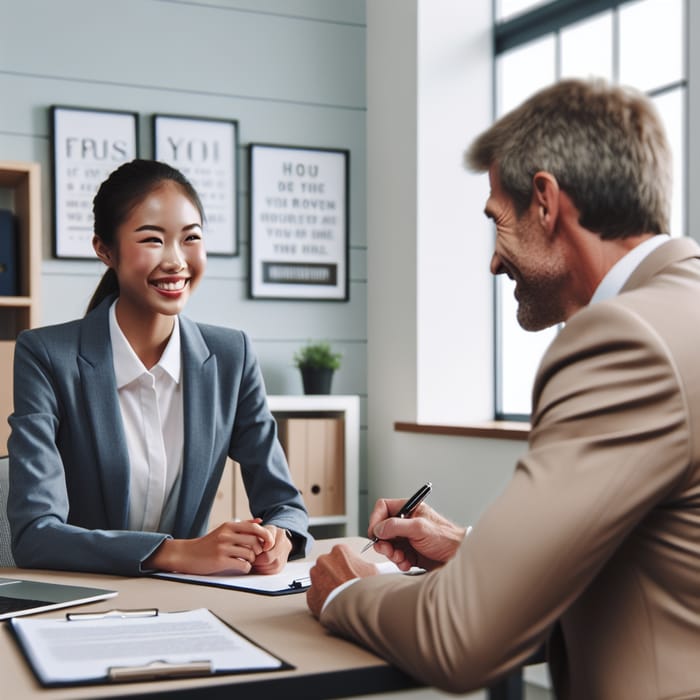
(170, 285)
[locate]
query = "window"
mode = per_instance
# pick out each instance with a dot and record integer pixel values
(537, 43)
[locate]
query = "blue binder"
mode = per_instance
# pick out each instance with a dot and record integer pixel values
(8, 254)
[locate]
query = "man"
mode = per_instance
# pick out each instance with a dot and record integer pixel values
(594, 546)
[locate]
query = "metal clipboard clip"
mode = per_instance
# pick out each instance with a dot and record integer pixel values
(159, 669)
(303, 582)
(109, 614)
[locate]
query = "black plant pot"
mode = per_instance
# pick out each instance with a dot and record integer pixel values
(316, 380)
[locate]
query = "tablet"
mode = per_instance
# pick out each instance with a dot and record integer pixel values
(23, 597)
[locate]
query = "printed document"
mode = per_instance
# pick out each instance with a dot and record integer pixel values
(65, 651)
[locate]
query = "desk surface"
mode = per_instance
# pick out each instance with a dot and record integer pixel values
(325, 666)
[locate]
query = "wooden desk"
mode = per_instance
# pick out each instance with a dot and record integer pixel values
(326, 666)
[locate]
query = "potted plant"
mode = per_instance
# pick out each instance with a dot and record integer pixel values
(317, 362)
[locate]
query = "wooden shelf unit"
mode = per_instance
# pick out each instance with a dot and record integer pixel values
(22, 181)
(323, 407)
(326, 469)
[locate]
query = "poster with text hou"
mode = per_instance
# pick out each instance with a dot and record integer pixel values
(204, 151)
(87, 145)
(298, 223)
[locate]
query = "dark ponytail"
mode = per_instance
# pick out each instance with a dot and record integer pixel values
(125, 188)
(108, 286)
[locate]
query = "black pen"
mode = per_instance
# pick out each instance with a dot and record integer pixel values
(407, 508)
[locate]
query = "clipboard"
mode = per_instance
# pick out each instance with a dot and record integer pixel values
(294, 578)
(121, 646)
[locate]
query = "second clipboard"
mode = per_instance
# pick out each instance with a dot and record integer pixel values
(136, 647)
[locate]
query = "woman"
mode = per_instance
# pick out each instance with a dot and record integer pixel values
(124, 419)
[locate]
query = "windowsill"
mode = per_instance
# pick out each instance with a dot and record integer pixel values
(498, 430)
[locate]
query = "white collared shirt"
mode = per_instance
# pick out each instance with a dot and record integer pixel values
(152, 412)
(622, 270)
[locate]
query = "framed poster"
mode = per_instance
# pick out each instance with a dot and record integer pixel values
(298, 223)
(86, 145)
(204, 151)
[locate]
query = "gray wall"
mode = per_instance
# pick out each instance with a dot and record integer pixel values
(290, 71)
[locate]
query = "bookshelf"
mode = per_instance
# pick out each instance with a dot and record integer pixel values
(20, 191)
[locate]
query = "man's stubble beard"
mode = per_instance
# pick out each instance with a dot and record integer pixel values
(540, 295)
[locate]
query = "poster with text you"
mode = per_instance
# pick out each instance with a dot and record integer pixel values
(299, 238)
(204, 151)
(88, 146)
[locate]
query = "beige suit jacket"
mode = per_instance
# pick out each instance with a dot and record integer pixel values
(595, 542)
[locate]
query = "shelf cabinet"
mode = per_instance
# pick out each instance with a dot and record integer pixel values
(320, 436)
(20, 187)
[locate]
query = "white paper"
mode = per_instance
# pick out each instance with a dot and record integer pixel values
(62, 651)
(269, 583)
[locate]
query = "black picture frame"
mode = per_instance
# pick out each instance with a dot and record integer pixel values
(86, 145)
(299, 223)
(205, 150)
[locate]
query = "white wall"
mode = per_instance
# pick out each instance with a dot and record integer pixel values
(290, 71)
(693, 152)
(429, 75)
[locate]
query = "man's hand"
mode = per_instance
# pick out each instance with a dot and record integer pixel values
(425, 539)
(332, 569)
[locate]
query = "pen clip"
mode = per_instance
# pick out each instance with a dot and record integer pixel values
(159, 669)
(414, 501)
(109, 614)
(303, 582)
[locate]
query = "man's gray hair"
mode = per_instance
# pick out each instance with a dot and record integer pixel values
(605, 145)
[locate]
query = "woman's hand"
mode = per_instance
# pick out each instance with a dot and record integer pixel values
(272, 560)
(231, 548)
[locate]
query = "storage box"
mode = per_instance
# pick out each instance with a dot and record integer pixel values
(315, 449)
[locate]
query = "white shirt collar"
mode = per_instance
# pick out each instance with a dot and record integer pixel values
(127, 365)
(621, 271)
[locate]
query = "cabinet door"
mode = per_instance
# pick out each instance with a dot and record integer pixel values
(315, 449)
(324, 484)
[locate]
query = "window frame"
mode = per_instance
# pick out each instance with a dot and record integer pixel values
(528, 26)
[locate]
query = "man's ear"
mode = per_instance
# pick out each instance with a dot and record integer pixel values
(102, 251)
(545, 197)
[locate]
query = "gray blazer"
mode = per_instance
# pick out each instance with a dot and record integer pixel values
(69, 465)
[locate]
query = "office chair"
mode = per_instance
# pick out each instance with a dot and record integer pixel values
(5, 542)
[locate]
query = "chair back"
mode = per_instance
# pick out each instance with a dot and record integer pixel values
(5, 540)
